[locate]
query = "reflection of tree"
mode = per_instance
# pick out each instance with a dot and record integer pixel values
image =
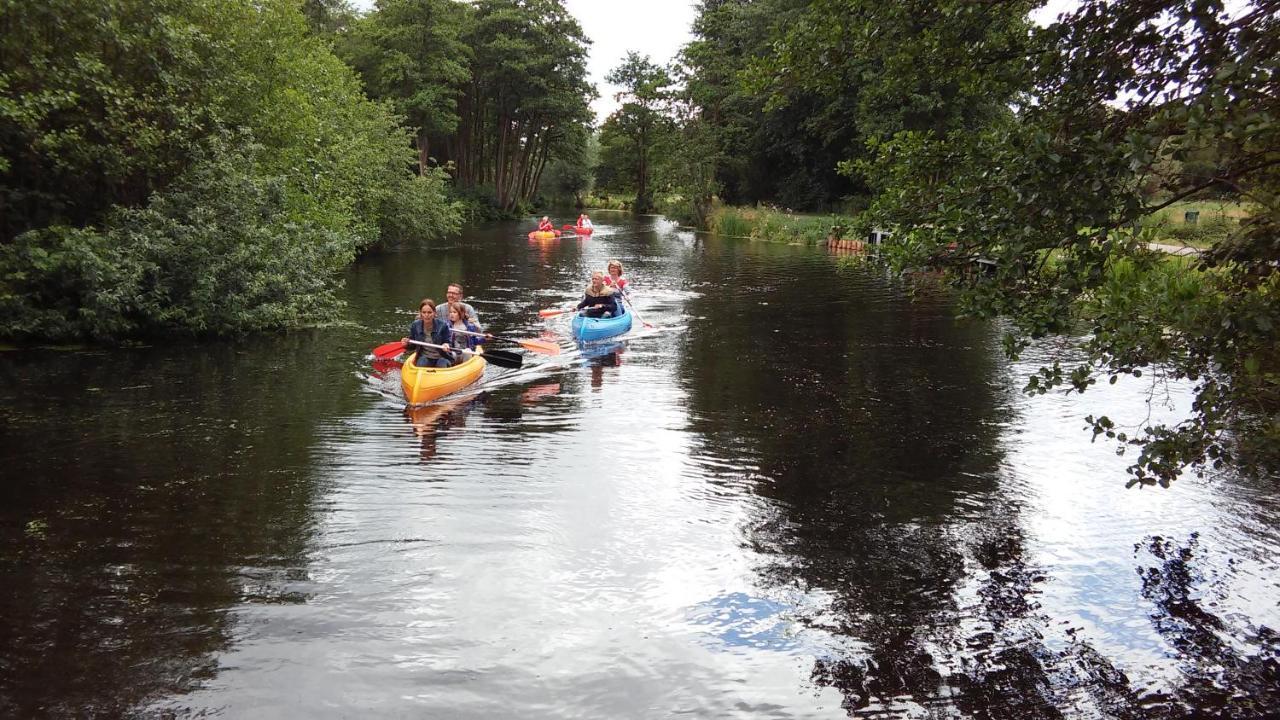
(868, 419)
(872, 426)
(144, 493)
(1219, 679)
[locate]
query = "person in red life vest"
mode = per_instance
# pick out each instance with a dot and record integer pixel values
(584, 222)
(545, 225)
(614, 279)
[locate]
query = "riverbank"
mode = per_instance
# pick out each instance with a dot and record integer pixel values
(764, 223)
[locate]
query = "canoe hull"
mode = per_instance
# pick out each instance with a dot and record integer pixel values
(588, 329)
(424, 384)
(544, 235)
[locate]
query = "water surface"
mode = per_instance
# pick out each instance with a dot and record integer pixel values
(803, 495)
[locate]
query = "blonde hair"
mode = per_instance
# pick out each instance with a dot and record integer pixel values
(615, 264)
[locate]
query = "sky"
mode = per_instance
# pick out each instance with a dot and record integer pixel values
(657, 28)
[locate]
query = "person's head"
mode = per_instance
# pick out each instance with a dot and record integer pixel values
(546, 218)
(456, 313)
(453, 293)
(615, 269)
(427, 309)
(597, 282)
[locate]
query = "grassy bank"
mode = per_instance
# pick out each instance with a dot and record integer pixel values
(608, 202)
(761, 223)
(1215, 221)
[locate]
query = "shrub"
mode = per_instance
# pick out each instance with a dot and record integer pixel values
(218, 252)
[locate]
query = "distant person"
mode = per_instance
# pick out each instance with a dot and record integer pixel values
(599, 300)
(614, 279)
(584, 222)
(545, 225)
(457, 315)
(429, 328)
(453, 294)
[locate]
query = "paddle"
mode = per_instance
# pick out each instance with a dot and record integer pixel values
(389, 350)
(538, 346)
(552, 313)
(632, 308)
(501, 358)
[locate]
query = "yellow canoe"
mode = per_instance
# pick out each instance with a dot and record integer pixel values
(424, 384)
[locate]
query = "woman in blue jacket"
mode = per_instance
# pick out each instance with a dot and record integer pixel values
(439, 334)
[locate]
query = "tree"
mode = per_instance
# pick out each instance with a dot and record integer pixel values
(1120, 95)
(526, 100)
(410, 52)
(645, 95)
(188, 166)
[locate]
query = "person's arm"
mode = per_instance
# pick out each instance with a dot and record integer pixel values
(442, 335)
(586, 300)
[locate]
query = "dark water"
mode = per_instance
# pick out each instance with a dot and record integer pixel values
(802, 496)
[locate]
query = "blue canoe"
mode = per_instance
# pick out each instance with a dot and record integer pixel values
(587, 329)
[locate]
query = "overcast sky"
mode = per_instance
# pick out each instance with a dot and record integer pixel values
(657, 28)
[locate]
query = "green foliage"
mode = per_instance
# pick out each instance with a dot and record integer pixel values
(570, 176)
(1051, 194)
(410, 53)
(526, 101)
(105, 106)
(763, 223)
(217, 252)
(641, 121)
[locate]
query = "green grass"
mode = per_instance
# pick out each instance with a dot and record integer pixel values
(773, 225)
(1217, 219)
(608, 202)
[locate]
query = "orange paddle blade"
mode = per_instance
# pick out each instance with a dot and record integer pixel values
(540, 346)
(551, 312)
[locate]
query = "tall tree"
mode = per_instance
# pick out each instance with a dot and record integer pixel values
(527, 97)
(1050, 197)
(410, 52)
(645, 97)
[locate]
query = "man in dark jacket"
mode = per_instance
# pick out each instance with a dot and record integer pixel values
(600, 299)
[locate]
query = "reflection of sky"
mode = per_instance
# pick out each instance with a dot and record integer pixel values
(1083, 524)
(740, 620)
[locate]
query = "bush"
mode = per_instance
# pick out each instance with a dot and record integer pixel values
(219, 252)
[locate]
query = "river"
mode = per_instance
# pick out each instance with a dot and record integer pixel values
(804, 493)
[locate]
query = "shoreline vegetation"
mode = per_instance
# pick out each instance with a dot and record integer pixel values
(210, 167)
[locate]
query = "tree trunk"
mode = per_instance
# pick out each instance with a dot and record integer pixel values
(424, 147)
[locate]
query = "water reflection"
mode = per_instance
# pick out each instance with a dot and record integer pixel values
(800, 496)
(135, 513)
(448, 416)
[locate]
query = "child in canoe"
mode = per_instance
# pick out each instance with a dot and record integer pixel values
(544, 225)
(458, 320)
